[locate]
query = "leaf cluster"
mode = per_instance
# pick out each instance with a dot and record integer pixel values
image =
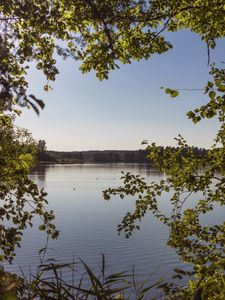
(189, 174)
(20, 197)
(100, 34)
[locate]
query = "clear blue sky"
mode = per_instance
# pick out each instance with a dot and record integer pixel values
(83, 113)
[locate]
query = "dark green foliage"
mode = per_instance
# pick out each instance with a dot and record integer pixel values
(42, 154)
(99, 34)
(8, 283)
(20, 197)
(200, 175)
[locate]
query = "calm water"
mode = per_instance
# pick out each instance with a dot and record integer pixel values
(87, 223)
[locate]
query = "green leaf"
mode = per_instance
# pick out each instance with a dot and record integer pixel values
(212, 95)
(174, 93)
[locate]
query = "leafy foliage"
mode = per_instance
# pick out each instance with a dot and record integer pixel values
(20, 198)
(201, 177)
(101, 34)
(97, 33)
(8, 284)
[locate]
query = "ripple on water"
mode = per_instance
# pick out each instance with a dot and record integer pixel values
(88, 223)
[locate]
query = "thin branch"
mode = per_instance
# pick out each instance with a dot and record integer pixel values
(208, 53)
(185, 199)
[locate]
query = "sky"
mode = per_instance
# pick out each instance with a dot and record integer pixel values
(83, 113)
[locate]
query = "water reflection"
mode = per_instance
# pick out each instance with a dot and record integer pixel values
(40, 171)
(88, 223)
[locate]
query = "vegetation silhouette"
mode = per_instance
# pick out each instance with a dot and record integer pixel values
(100, 34)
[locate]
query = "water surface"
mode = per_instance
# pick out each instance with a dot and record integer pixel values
(87, 223)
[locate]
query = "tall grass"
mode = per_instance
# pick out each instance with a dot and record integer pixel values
(49, 283)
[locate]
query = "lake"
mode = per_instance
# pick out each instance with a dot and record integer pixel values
(87, 222)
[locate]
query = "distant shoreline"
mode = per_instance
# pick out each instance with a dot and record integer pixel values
(94, 156)
(102, 156)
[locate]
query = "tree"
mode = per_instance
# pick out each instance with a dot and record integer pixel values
(188, 173)
(41, 146)
(100, 34)
(20, 197)
(42, 154)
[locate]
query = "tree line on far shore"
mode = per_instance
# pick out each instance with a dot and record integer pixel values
(101, 156)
